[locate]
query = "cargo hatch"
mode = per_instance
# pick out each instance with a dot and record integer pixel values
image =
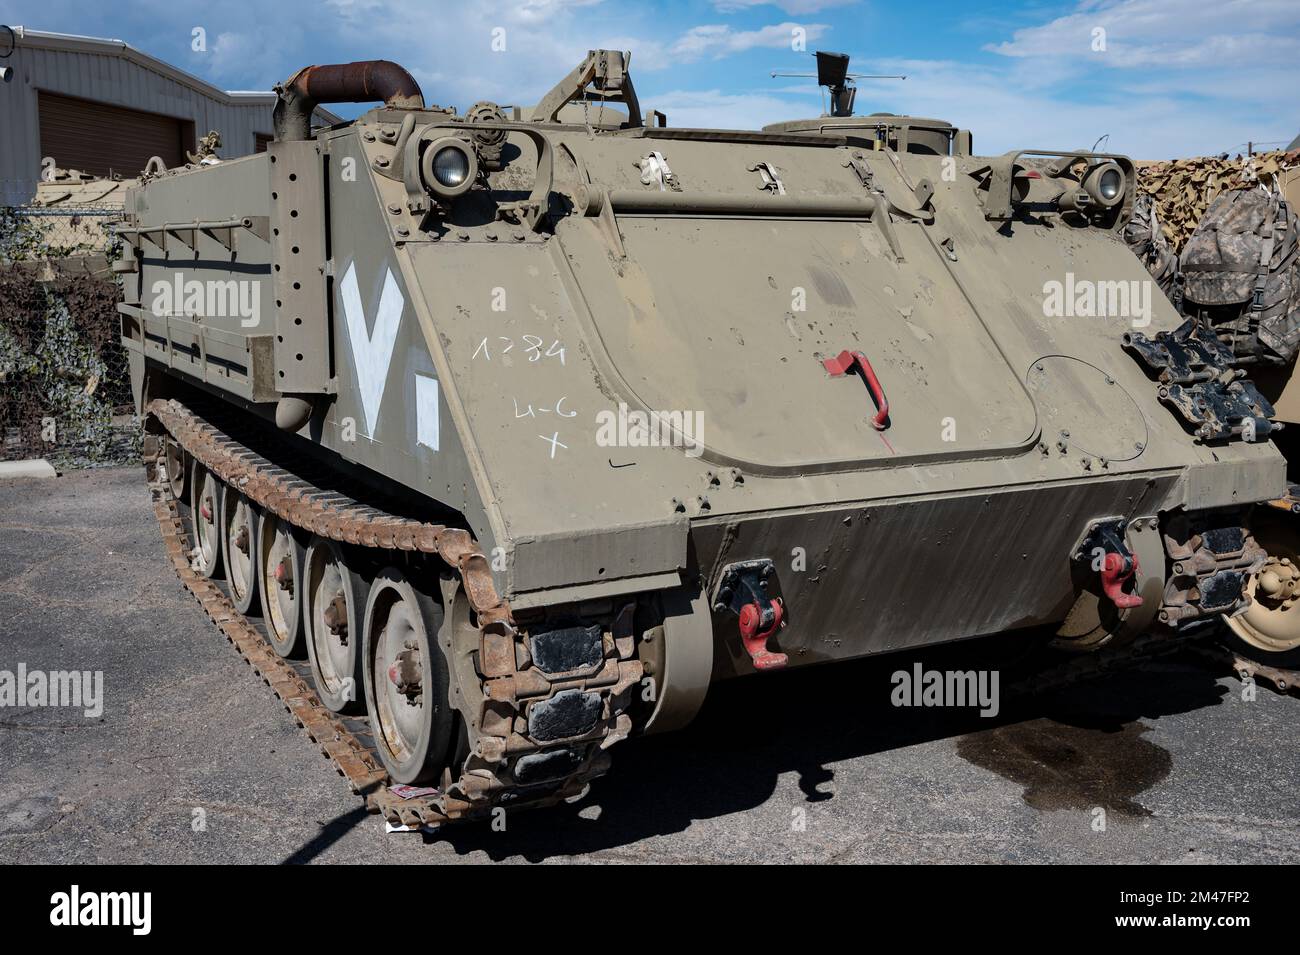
(733, 317)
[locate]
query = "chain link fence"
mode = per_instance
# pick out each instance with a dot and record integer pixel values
(65, 388)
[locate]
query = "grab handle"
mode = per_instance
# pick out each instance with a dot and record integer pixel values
(842, 363)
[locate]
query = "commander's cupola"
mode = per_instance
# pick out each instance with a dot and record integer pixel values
(912, 134)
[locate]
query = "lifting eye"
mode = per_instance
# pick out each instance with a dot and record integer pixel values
(449, 167)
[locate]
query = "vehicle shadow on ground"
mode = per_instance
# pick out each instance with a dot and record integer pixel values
(330, 833)
(1076, 746)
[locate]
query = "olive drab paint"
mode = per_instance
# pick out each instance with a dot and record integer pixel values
(602, 267)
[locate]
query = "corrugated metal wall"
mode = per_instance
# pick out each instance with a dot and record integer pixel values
(106, 77)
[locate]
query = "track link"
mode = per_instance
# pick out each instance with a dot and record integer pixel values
(495, 711)
(1281, 680)
(353, 760)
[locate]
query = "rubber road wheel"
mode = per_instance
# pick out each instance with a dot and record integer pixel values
(335, 591)
(280, 570)
(406, 679)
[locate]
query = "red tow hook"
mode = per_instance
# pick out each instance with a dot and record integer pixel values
(755, 640)
(840, 365)
(747, 589)
(1116, 571)
(1105, 537)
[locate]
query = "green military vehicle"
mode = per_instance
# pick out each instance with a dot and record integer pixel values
(529, 424)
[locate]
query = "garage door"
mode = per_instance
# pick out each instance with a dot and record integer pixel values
(103, 139)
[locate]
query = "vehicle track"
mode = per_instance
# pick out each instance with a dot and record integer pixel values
(509, 680)
(348, 741)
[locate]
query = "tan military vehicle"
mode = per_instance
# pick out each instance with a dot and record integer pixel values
(70, 220)
(529, 429)
(1220, 236)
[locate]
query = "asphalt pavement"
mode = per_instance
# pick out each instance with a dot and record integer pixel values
(193, 760)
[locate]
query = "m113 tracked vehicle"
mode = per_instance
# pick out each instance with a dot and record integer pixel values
(529, 424)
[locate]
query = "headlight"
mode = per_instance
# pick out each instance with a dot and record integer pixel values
(1110, 183)
(449, 167)
(1105, 184)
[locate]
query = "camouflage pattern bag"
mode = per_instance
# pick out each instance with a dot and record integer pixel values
(1241, 274)
(1146, 237)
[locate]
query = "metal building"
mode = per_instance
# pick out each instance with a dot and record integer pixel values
(104, 107)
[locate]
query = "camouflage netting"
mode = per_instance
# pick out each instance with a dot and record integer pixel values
(1149, 243)
(65, 390)
(26, 238)
(1219, 236)
(1184, 188)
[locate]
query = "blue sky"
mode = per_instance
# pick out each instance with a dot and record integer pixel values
(1163, 78)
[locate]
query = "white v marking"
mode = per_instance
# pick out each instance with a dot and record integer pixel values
(372, 353)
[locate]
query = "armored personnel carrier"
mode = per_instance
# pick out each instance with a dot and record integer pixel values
(527, 425)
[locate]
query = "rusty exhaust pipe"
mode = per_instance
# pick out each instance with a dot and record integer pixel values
(365, 81)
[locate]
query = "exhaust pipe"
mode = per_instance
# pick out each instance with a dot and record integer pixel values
(365, 81)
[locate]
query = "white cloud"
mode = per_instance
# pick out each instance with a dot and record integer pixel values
(1174, 78)
(793, 7)
(233, 55)
(721, 40)
(1005, 114)
(1165, 33)
(714, 109)
(543, 11)
(354, 9)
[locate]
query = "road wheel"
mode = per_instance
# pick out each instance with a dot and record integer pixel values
(176, 464)
(205, 491)
(406, 679)
(280, 569)
(239, 520)
(334, 591)
(1269, 629)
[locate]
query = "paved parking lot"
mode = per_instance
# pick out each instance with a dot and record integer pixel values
(194, 760)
